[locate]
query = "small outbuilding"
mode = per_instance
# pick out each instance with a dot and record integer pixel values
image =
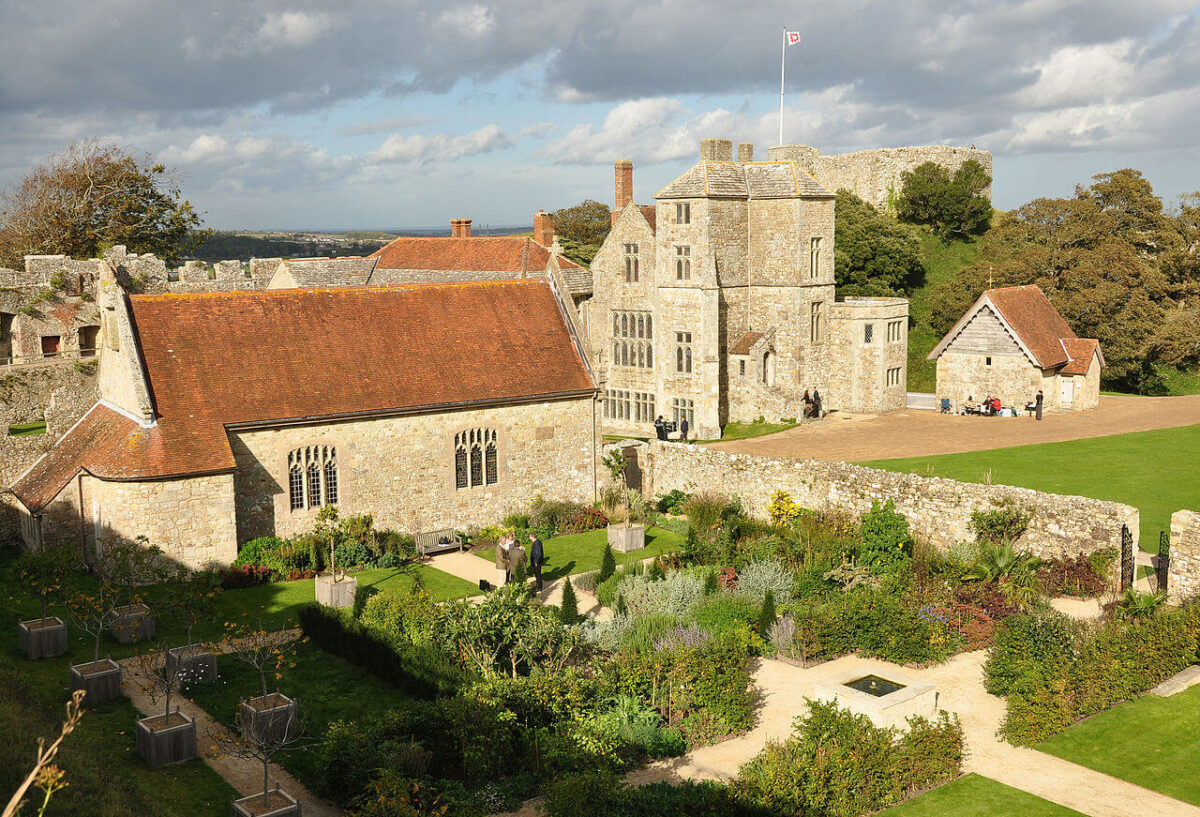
(1013, 342)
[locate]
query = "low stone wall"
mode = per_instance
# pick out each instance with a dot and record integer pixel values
(1183, 572)
(937, 509)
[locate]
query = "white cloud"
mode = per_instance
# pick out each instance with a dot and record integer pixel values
(536, 131)
(441, 146)
(294, 29)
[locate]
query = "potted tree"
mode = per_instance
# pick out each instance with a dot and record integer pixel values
(245, 743)
(271, 713)
(169, 738)
(131, 566)
(94, 612)
(191, 600)
(626, 535)
(333, 590)
(46, 572)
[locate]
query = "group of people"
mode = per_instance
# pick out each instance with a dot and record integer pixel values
(812, 404)
(992, 407)
(662, 427)
(511, 555)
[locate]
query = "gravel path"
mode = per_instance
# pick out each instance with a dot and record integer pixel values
(910, 433)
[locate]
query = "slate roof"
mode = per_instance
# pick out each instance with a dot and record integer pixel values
(517, 255)
(579, 279)
(262, 357)
(742, 180)
(330, 272)
(1039, 328)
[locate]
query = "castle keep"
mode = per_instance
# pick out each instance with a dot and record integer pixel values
(717, 303)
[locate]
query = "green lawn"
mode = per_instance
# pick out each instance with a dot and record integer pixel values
(1155, 471)
(1152, 742)
(975, 796)
(742, 431)
(581, 552)
(943, 260)
(27, 429)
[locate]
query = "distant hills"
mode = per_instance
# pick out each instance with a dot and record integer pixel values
(223, 245)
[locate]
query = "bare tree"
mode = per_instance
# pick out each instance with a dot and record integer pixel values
(45, 775)
(250, 744)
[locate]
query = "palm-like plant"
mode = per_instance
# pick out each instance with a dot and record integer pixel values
(1136, 606)
(1013, 571)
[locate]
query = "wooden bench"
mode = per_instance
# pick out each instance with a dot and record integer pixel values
(436, 541)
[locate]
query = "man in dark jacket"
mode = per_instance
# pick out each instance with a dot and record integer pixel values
(660, 428)
(1037, 403)
(537, 558)
(683, 429)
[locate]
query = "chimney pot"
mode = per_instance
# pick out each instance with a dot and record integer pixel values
(543, 228)
(623, 186)
(745, 152)
(460, 228)
(716, 150)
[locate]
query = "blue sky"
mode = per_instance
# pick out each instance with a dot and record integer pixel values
(402, 113)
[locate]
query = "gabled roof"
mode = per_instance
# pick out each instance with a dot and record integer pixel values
(579, 279)
(650, 213)
(1081, 351)
(1033, 322)
(745, 180)
(743, 346)
(329, 272)
(262, 358)
(516, 255)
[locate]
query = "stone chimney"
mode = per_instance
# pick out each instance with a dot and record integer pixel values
(543, 228)
(745, 152)
(622, 186)
(803, 155)
(460, 228)
(716, 150)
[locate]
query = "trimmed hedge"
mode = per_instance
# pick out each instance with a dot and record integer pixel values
(418, 670)
(601, 793)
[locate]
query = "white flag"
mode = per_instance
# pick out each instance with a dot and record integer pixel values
(793, 38)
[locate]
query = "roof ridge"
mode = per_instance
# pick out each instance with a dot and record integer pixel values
(233, 293)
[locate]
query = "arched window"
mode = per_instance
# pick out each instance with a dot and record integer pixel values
(331, 482)
(312, 477)
(476, 460)
(314, 485)
(296, 486)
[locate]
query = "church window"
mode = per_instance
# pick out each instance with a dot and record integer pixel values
(331, 482)
(476, 461)
(314, 485)
(312, 477)
(683, 352)
(683, 212)
(814, 257)
(683, 263)
(631, 263)
(296, 487)
(817, 324)
(633, 340)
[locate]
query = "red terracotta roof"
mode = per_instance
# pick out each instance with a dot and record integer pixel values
(1031, 315)
(1081, 351)
(263, 356)
(743, 346)
(650, 212)
(512, 254)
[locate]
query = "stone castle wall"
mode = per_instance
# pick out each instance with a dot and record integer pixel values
(860, 382)
(874, 175)
(1183, 571)
(937, 509)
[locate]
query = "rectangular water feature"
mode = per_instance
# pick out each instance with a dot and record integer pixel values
(882, 693)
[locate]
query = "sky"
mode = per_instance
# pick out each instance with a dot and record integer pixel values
(407, 113)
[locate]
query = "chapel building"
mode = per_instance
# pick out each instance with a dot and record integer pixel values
(231, 415)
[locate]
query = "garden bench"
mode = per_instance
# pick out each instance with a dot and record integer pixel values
(438, 540)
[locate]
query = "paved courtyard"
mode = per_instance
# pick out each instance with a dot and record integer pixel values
(911, 433)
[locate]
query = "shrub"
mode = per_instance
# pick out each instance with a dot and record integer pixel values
(585, 519)
(242, 576)
(764, 576)
(587, 581)
(1003, 525)
(670, 502)
(879, 623)
(1026, 645)
(781, 509)
(608, 564)
(603, 793)
(885, 537)
(1070, 576)
(705, 512)
(766, 616)
(722, 612)
(838, 764)
(607, 635)
(568, 611)
(257, 551)
(675, 595)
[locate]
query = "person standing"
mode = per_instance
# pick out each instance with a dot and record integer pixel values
(808, 406)
(516, 559)
(537, 558)
(683, 429)
(502, 560)
(660, 428)
(1037, 404)
(817, 403)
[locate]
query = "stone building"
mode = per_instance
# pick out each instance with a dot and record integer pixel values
(717, 303)
(226, 416)
(1011, 343)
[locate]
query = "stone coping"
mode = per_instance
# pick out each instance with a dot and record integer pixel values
(837, 683)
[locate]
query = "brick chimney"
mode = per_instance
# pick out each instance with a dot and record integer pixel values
(745, 152)
(623, 187)
(460, 228)
(543, 228)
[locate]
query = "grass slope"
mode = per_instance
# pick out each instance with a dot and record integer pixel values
(1151, 742)
(1155, 471)
(942, 260)
(975, 796)
(581, 552)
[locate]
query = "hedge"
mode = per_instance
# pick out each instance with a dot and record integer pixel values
(418, 670)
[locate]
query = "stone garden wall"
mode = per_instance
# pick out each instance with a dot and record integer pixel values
(1183, 573)
(937, 509)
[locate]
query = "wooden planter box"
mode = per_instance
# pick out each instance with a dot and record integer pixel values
(275, 716)
(336, 594)
(623, 539)
(164, 740)
(133, 623)
(193, 663)
(101, 680)
(279, 804)
(42, 637)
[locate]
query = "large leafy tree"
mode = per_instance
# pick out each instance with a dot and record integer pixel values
(873, 255)
(582, 229)
(94, 195)
(952, 205)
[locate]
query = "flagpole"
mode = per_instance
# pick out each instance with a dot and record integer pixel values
(782, 68)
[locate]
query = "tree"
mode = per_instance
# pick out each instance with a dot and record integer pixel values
(1136, 213)
(766, 616)
(46, 571)
(1177, 341)
(582, 229)
(608, 563)
(262, 649)
(873, 255)
(190, 598)
(952, 206)
(247, 743)
(94, 611)
(92, 196)
(158, 677)
(568, 611)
